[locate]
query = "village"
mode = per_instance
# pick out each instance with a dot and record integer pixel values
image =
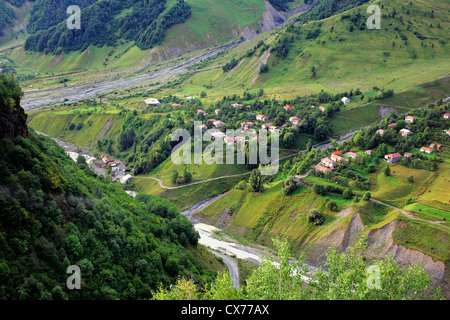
(426, 154)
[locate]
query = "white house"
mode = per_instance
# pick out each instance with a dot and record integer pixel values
(126, 179)
(405, 132)
(345, 100)
(152, 102)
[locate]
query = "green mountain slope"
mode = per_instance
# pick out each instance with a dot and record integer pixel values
(340, 53)
(56, 213)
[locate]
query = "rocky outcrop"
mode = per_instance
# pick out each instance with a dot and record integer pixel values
(380, 243)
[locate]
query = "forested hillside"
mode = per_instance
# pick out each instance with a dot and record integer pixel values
(103, 23)
(7, 13)
(55, 213)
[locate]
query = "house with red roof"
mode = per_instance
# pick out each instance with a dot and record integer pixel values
(410, 119)
(438, 146)
(261, 117)
(446, 116)
(328, 163)
(426, 150)
(323, 169)
(287, 107)
(393, 157)
(353, 155)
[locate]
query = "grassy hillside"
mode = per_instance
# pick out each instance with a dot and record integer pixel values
(410, 48)
(211, 23)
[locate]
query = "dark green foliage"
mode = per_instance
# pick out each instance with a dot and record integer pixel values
(56, 212)
(230, 65)
(289, 186)
(264, 68)
(315, 217)
(326, 8)
(146, 24)
(280, 4)
(255, 181)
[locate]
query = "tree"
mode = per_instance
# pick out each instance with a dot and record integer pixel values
(332, 205)
(174, 176)
(367, 195)
(264, 68)
(255, 181)
(315, 217)
(319, 189)
(289, 186)
(387, 171)
(411, 179)
(348, 193)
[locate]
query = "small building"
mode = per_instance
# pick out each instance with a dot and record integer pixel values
(352, 155)
(246, 124)
(446, 116)
(126, 179)
(287, 107)
(393, 124)
(236, 105)
(426, 150)
(248, 107)
(229, 141)
(405, 132)
(218, 124)
(328, 163)
(336, 156)
(322, 109)
(410, 119)
(369, 152)
(152, 102)
(393, 157)
(261, 117)
(274, 129)
(218, 135)
(323, 169)
(345, 100)
(217, 111)
(200, 111)
(407, 155)
(380, 132)
(204, 127)
(189, 99)
(176, 105)
(313, 107)
(447, 132)
(267, 125)
(295, 121)
(438, 146)
(105, 159)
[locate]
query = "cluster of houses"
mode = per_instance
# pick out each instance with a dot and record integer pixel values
(328, 164)
(246, 126)
(118, 173)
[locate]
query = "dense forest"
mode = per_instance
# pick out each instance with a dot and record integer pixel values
(108, 22)
(56, 212)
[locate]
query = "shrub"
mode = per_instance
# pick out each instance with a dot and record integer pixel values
(367, 196)
(332, 205)
(315, 217)
(347, 194)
